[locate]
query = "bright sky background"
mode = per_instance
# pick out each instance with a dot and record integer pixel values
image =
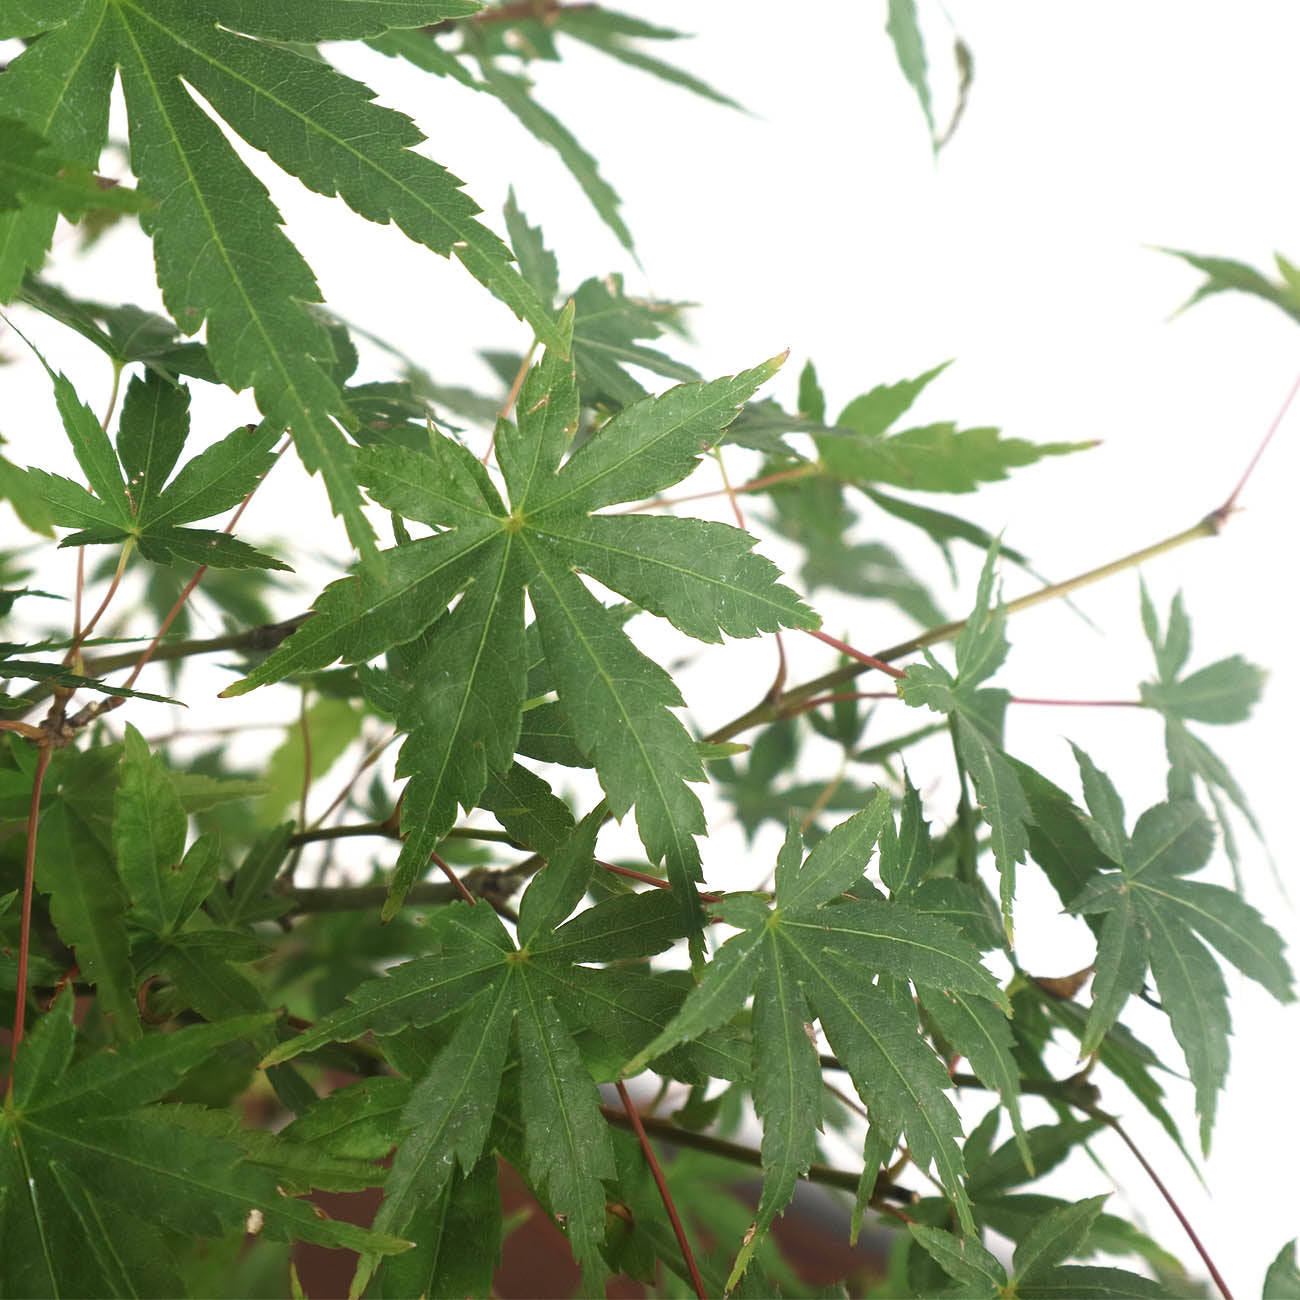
(823, 224)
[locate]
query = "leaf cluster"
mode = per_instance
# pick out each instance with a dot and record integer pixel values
(203, 1041)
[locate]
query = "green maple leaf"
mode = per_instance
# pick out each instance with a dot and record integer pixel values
(1036, 1268)
(123, 332)
(221, 254)
(815, 514)
(813, 956)
(1156, 917)
(85, 1156)
(32, 174)
(494, 993)
(977, 718)
(516, 93)
(1224, 275)
(970, 1025)
(1220, 693)
(609, 33)
(130, 497)
(459, 693)
(931, 458)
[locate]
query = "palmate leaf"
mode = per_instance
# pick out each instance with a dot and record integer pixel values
(1036, 1267)
(31, 174)
(815, 955)
(221, 255)
(1222, 692)
(814, 513)
(124, 332)
(1223, 275)
(610, 333)
(932, 458)
(482, 985)
(88, 907)
(132, 499)
(165, 883)
(1154, 915)
(516, 94)
(462, 695)
(84, 1151)
(609, 33)
(977, 718)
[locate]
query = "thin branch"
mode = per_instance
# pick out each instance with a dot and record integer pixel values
(664, 1194)
(74, 651)
(827, 792)
(754, 485)
(1231, 503)
(266, 636)
(456, 883)
(388, 830)
(770, 710)
(304, 730)
(729, 490)
(845, 1179)
(77, 594)
(1075, 1090)
(480, 882)
(369, 759)
(650, 880)
(1112, 1122)
(511, 397)
(25, 925)
(118, 366)
(870, 661)
(836, 697)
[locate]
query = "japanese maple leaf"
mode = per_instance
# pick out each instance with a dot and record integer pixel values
(462, 694)
(1156, 917)
(220, 249)
(815, 955)
(514, 1009)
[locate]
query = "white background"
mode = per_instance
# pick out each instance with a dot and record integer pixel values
(822, 223)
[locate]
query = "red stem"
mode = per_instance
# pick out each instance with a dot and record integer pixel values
(457, 883)
(844, 648)
(664, 1195)
(25, 928)
(754, 485)
(1230, 504)
(1164, 1191)
(650, 880)
(839, 696)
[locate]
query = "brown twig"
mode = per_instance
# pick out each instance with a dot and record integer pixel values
(837, 697)
(754, 485)
(368, 759)
(456, 882)
(770, 710)
(1231, 503)
(511, 398)
(649, 880)
(481, 882)
(387, 829)
(79, 638)
(304, 730)
(871, 661)
(25, 925)
(1112, 1122)
(664, 1194)
(845, 1179)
